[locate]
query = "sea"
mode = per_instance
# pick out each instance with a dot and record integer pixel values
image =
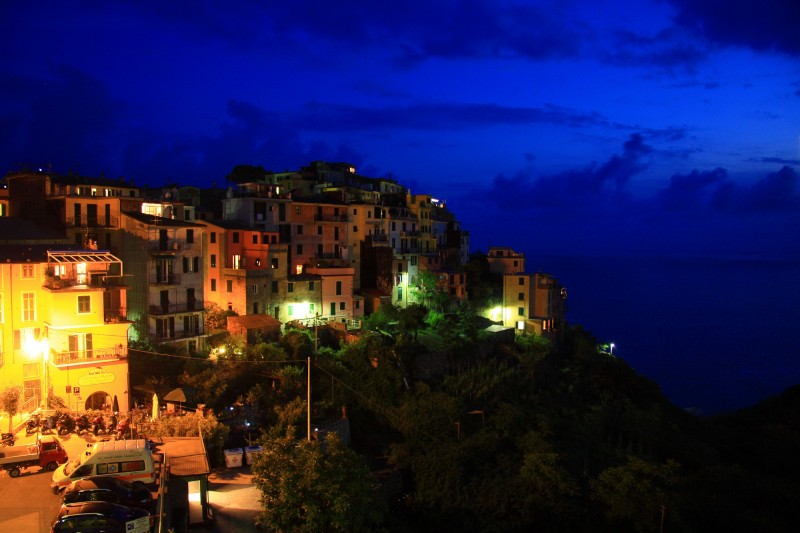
(717, 334)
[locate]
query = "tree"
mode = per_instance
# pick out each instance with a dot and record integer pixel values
(9, 400)
(315, 486)
(216, 318)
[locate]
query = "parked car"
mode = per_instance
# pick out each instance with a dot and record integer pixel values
(97, 517)
(109, 489)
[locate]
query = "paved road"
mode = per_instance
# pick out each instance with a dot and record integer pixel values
(26, 503)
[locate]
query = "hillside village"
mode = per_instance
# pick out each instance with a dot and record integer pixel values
(89, 265)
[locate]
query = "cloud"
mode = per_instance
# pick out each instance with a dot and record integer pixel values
(767, 25)
(433, 116)
(669, 49)
(775, 160)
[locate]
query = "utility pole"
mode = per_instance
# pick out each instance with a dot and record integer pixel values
(308, 401)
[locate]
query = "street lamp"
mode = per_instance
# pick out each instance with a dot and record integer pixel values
(611, 349)
(33, 349)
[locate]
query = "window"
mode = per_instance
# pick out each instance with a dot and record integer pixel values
(254, 288)
(400, 294)
(274, 262)
(189, 236)
(355, 229)
(237, 262)
(213, 260)
(521, 311)
(290, 287)
(291, 310)
(196, 263)
(341, 306)
(311, 285)
(235, 237)
(27, 271)
(522, 281)
(274, 287)
(28, 306)
(399, 267)
(264, 238)
(338, 288)
(229, 285)
(297, 209)
(521, 296)
(255, 238)
(413, 260)
(299, 229)
(319, 230)
(84, 304)
(213, 284)
(213, 237)
(299, 249)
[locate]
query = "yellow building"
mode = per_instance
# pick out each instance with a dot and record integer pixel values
(63, 332)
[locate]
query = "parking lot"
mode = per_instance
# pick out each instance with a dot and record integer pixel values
(28, 504)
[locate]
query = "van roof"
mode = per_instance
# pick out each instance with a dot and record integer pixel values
(120, 445)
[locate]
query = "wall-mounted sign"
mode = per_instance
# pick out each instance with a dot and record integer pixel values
(96, 376)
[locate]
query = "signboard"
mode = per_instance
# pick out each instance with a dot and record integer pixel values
(76, 390)
(96, 376)
(140, 525)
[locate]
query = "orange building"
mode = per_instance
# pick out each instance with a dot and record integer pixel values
(533, 303)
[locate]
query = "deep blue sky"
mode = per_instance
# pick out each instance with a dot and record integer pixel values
(670, 126)
(657, 128)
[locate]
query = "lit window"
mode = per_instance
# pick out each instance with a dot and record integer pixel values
(84, 304)
(28, 306)
(291, 310)
(27, 271)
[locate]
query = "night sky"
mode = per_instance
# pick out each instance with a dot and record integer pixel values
(556, 127)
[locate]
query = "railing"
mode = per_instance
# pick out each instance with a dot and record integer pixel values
(165, 279)
(170, 245)
(178, 335)
(61, 282)
(331, 218)
(92, 222)
(82, 356)
(169, 309)
(115, 315)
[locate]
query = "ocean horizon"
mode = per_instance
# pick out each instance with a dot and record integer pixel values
(712, 332)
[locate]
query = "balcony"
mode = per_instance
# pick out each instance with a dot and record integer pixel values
(177, 335)
(169, 246)
(92, 222)
(93, 280)
(112, 316)
(165, 279)
(331, 218)
(171, 309)
(65, 357)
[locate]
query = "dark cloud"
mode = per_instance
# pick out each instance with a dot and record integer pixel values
(767, 25)
(775, 160)
(669, 50)
(66, 120)
(429, 116)
(778, 192)
(692, 191)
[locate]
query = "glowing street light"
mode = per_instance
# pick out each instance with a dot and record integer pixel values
(34, 349)
(611, 349)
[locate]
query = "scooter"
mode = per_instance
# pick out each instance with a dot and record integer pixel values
(33, 424)
(48, 425)
(65, 424)
(123, 429)
(99, 425)
(82, 425)
(7, 439)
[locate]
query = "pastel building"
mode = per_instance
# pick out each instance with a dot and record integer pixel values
(533, 303)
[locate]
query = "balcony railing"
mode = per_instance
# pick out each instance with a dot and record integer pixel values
(169, 246)
(165, 279)
(92, 222)
(171, 309)
(331, 218)
(101, 280)
(178, 335)
(111, 316)
(65, 357)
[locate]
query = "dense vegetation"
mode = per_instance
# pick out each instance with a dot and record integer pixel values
(466, 431)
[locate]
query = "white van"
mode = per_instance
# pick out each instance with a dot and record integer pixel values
(130, 460)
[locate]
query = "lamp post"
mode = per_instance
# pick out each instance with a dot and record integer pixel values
(611, 349)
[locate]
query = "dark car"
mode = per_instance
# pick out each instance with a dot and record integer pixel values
(96, 517)
(109, 489)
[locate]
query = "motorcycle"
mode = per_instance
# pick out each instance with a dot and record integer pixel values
(65, 424)
(48, 425)
(99, 425)
(8, 439)
(82, 425)
(33, 424)
(123, 429)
